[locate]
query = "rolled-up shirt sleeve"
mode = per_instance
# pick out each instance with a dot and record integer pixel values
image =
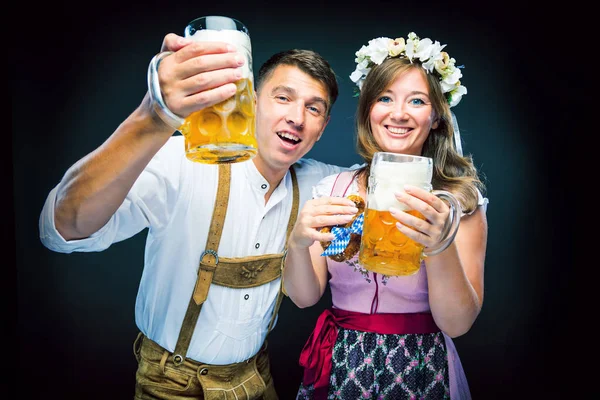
(149, 203)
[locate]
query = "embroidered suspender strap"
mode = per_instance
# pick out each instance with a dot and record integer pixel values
(239, 272)
(208, 263)
(291, 222)
(246, 272)
(252, 271)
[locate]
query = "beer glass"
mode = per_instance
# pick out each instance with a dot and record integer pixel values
(383, 248)
(225, 132)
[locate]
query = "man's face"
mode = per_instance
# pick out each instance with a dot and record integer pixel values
(291, 116)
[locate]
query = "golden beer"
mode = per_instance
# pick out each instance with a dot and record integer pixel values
(225, 132)
(383, 248)
(386, 250)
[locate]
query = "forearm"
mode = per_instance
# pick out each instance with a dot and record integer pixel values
(300, 279)
(305, 272)
(93, 188)
(454, 301)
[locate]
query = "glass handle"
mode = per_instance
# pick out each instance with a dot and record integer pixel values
(159, 105)
(451, 226)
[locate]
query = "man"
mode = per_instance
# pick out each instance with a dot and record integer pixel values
(211, 287)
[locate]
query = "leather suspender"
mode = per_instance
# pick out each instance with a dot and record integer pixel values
(209, 258)
(207, 267)
(291, 222)
(232, 272)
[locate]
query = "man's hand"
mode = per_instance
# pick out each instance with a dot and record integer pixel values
(197, 74)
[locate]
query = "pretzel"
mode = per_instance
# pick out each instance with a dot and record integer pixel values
(354, 244)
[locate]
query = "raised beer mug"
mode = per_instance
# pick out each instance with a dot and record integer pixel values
(383, 248)
(225, 132)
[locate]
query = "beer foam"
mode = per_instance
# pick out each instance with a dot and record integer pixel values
(234, 37)
(403, 171)
(390, 177)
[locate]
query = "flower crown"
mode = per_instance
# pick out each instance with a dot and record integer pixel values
(429, 53)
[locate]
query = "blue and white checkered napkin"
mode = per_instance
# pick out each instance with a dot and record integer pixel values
(342, 236)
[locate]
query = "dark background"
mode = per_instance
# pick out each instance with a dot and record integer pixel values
(80, 70)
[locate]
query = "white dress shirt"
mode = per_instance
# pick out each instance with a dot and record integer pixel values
(174, 198)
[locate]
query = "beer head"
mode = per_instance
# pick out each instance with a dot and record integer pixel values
(225, 31)
(390, 172)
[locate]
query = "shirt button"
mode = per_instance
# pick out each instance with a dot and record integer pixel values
(257, 245)
(263, 186)
(246, 297)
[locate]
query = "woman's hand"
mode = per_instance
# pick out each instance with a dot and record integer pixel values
(428, 231)
(317, 213)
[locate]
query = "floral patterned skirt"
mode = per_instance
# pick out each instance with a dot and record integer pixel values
(369, 365)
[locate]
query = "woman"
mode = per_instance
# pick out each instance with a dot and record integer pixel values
(389, 337)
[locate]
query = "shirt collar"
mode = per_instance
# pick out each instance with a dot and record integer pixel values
(260, 184)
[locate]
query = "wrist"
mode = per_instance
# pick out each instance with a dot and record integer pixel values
(148, 112)
(294, 246)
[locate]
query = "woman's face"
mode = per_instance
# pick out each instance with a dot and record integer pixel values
(402, 115)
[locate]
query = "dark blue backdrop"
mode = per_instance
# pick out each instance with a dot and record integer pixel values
(80, 71)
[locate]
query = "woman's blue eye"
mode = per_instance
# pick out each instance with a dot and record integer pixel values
(417, 102)
(384, 99)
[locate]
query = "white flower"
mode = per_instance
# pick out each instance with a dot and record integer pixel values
(452, 76)
(456, 95)
(356, 75)
(361, 54)
(430, 52)
(423, 49)
(446, 87)
(363, 65)
(427, 52)
(377, 50)
(362, 69)
(412, 45)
